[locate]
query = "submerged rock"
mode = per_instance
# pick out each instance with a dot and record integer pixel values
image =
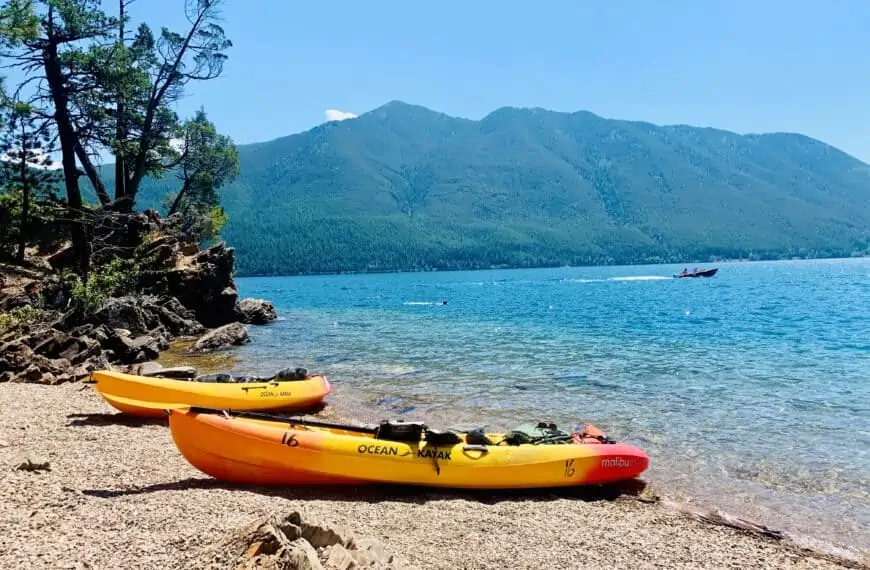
(256, 311)
(233, 334)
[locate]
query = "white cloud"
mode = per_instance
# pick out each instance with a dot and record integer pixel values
(336, 115)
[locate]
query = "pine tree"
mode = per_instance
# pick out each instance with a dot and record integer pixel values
(26, 144)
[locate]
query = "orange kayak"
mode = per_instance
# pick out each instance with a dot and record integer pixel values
(257, 451)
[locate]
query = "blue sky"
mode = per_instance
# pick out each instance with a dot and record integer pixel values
(746, 66)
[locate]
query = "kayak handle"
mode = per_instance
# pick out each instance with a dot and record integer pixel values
(482, 448)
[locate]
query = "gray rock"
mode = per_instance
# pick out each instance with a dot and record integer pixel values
(370, 552)
(31, 374)
(13, 298)
(123, 313)
(176, 372)
(337, 557)
(148, 345)
(233, 334)
(15, 356)
(299, 554)
(58, 344)
(32, 463)
(256, 311)
(147, 369)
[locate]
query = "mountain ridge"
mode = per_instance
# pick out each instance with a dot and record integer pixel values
(403, 187)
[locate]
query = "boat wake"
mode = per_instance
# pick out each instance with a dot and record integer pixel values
(640, 278)
(627, 278)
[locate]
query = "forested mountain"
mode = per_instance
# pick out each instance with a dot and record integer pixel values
(403, 187)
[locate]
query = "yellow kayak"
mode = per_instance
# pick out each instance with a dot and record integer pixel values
(241, 449)
(150, 397)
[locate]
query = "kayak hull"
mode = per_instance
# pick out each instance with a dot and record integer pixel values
(150, 397)
(258, 452)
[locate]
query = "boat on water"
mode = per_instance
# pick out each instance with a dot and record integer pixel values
(259, 450)
(150, 396)
(697, 273)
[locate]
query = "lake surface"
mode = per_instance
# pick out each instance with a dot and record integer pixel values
(749, 390)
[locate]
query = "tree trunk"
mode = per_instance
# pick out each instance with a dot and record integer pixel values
(177, 202)
(25, 196)
(68, 140)
(120, 134)
(93, 175)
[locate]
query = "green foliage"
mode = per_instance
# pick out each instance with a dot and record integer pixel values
(207, 161)
(117, 278)
(524, 188)
(19, 316)
(27, 181)
(85, 298)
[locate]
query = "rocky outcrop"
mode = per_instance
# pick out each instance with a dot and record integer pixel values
(256, 311)
(233, 334)
(182, 291)
(290, 543)
(202, 283)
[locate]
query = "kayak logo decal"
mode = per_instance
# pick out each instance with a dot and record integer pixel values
(380, 450)
(434, 454)
(266, 393)
(617, 462)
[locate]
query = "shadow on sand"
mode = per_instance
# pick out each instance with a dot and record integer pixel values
(396, 493)
(108, 419)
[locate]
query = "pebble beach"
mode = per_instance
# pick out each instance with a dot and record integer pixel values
(117, 494)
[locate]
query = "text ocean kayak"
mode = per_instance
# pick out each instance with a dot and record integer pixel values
(270, 452)
(149, 397)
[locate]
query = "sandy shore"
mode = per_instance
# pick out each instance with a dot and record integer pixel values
(119, 495)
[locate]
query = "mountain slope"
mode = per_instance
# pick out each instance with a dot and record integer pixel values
(403, 187)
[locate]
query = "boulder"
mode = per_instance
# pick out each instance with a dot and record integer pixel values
(58, 344)
(203, 284)
(146, 368)
(176, 372)
(148, 345)
(14, 298)
(256, 311)
(15, 356)
(55, 293)
(31, 375)
(233, 334)
(123, 313)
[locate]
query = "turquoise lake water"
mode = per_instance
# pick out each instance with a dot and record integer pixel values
(749, 390)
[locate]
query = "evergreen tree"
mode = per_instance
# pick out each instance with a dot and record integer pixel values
(27, 172)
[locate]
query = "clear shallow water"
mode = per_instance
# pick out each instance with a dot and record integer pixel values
(749, 390)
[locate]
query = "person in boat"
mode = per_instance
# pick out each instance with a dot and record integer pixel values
(685, 271)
